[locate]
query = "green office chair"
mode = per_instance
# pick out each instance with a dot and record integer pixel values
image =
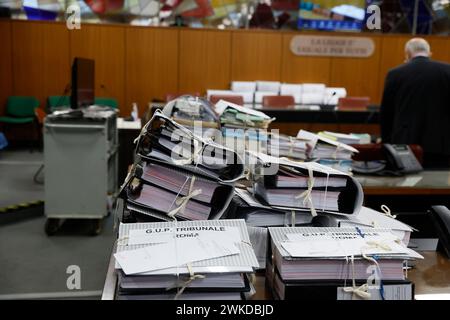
(20, 111)
(104, 101)
(55, 102)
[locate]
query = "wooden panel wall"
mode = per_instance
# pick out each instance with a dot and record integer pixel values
(6, 88)
(205, 60)
(151, 65)
(256, 56)
(40, 54)
(358, 75)
(139, 64)
(106, 45)
(296, 69)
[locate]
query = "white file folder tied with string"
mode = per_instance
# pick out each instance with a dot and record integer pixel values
(303, 253)
(211, 246)
(306, 186)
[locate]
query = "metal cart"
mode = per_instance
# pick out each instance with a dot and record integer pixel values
(81, 160)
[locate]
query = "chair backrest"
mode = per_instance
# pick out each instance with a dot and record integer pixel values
(104, 101)
(353, 103)
(54, 102)
(236, 99)
(173, 95)
(278, 101)
(20, 106)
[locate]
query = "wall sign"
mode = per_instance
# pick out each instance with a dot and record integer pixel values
(332, 46)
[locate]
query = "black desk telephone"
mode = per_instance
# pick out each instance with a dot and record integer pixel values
(399, 160)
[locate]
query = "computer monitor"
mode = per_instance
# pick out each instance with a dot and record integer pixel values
(83, 83)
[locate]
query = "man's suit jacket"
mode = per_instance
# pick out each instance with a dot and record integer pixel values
(416, 105)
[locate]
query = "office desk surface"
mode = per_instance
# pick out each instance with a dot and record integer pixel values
(423, 183)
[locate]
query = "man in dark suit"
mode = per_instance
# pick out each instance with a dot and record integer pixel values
(416, 104)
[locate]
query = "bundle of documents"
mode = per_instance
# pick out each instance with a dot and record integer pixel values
(164, 140)
(235, 116)
(369, 218)
(178, 175)
(306, 186)
(192, 111)
(286, 146)
(242, 140)
(164, 191)
(170, 259)
(361, 262)
(328, 151)
(258, 217)
(351, 138)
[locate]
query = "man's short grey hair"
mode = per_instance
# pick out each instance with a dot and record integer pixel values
(418, 46)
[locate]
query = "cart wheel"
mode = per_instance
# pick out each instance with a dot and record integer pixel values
(52, 226)
(96, 227)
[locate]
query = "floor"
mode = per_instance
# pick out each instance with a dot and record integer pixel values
(34, 265)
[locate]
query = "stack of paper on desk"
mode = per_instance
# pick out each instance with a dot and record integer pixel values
(178, 175)
(286, 146)
(156, 190)
(190, 111)
(303, 254)
(154, 257)
(371, 219)
(258, 217)
(164, 140)
(329, 150)
(306, 186)
(235, 116)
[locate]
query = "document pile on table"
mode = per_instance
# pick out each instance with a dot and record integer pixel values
(338, 264)
(178, 175)
(189, 111)
(329, 152)
(236, 116)
(259, 216)
(243, 128)
(281, 145)
(306, 186)
(184, 259)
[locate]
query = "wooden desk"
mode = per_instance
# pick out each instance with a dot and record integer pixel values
(416, 192)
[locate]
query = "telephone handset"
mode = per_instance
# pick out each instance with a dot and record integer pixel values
(400, 158)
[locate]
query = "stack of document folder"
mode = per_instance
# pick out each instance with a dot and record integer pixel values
(236, 116)
(192, 111)
(185, 260)
(335, 263)
(259, 217)
(156, 188)
(368, 218)
(281, 145)
(178, 175)
(306, 186)
(164, 140)
(328, 151)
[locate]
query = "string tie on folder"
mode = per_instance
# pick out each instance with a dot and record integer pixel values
(387, 211)
(291, 146)
(361, 291)
(293, 218)
(183, 201)
(192, 277)
(378, 244)
(336, 151)
(307, 194)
